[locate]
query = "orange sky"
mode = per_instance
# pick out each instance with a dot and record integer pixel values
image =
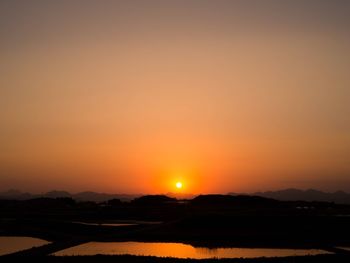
(133, 96)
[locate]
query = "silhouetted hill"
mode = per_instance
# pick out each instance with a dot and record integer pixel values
(339, 197)
(305, 195)
(180, 196)
(154, 200)
(57, 194)
(101, 197)
(224, 200)
(16, 195)
(83, 196)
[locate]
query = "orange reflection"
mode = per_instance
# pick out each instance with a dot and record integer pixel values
(179, 250)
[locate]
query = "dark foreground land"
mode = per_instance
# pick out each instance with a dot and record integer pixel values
(136, 259)
(210, 221)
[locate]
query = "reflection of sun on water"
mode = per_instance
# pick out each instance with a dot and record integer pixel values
(179, 250)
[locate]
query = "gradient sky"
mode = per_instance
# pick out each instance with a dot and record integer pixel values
(132, 96)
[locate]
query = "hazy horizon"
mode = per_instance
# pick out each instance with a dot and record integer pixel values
(136, 96)
(174, 193)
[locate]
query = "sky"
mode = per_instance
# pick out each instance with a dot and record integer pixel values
(134, 96)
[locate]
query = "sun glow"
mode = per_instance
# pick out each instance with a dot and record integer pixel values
(178, 185)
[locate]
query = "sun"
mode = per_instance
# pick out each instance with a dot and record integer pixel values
(178, 185)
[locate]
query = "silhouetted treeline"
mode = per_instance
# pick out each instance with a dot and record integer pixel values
(160, 207)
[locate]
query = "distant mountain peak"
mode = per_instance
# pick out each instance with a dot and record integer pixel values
(82, 196)
(56, 193)
(292, 194)
(12, 192)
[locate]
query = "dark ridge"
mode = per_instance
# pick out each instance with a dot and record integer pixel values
(223, 200)
(154, 200)
(292, 194)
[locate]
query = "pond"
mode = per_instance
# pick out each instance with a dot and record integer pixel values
(10, 245)
(345, 248)
(104, 224)
(179, 250)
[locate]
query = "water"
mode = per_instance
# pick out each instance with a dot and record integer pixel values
(179, 250)
(345, 248)
(118, 223)
(105, 224)
(10, 245)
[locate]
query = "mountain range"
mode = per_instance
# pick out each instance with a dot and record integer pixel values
(82, 196)
(283, 195)
(292, 194)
